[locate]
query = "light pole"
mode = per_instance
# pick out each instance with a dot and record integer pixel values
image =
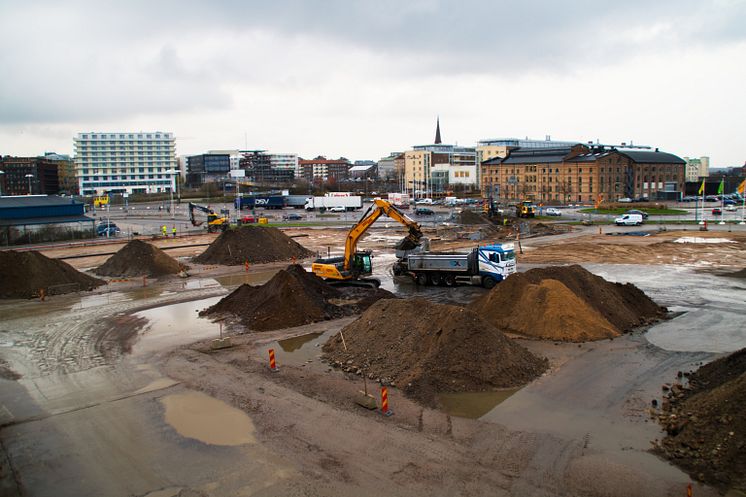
(1, 183)
(171, 173)
(29, 176)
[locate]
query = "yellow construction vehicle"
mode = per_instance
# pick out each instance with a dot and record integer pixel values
(214, 221)
(351, 268)
(525, 209)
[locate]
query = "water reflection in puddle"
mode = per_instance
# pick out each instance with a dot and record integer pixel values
(176, 324)
(473, 405)
(209, 420)
(252, 278)
(296, 343)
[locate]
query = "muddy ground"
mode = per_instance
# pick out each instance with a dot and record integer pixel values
(93, 410)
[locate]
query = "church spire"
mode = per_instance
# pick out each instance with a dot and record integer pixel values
(437, 131)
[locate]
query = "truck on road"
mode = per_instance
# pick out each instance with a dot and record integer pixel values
(255, 202)
(350, 203)
(486, 265)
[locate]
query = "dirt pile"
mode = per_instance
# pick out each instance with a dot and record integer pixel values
(255, 244)
(737, 274)
(293, 297)
(706, 423)
(566, 303)
(471, 217)
(138, 258)
(22, 274)
(425, 348)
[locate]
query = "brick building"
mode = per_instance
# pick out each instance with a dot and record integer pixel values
(325, 170)
(580, 173)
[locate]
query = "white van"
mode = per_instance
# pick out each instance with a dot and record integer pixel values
(629, 220)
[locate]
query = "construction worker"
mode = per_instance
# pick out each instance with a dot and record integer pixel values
(173, 231)
(164, 230)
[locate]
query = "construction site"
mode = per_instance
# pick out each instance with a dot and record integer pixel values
(385, 358)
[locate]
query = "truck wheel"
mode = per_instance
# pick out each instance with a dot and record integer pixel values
(422, 279)
(436, 279)
(488, 282)
(449, 280)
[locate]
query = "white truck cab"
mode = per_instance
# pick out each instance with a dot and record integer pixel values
(629, 220)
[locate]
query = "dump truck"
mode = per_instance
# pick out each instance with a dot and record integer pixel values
(485, 266)
(525, 209)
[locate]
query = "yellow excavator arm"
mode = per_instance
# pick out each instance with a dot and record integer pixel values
(346, 269)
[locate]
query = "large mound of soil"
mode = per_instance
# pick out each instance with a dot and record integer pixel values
(22, 274)
(566, 303)
(138, 258)
(737, 274)
(426, 348)
(471, 217)
(255, 244)
(706, 424)
(293, 297)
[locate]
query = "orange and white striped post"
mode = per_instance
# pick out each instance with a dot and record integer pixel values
(42, 294)
(272, 364)
(246, 265)
(689, 490)
(385, 402)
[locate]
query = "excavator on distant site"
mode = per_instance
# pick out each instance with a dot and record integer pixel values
(525, 209)
(214, 221)
(351, 268)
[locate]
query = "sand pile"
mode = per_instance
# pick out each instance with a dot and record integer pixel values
(22, 274)
(706, 423)
(293, 297)
(138, 258)
(566, 303)
(425, 348)
(255, 244)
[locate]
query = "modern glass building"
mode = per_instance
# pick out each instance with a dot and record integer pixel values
(125, 162)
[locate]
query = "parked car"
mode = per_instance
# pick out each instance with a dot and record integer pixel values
(716, 211)
(248, 219)
(642, 199)
(728, 201)
(292, 217)
(625, 200)
(424, 201)
(103, 226)
(553, 211)
(423, 211)
(635, 211)
(731, 207)
(108, 231)
(712, 198)
(338, 208)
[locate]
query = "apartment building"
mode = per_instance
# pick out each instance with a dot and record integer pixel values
(323, 169)
(28, 176)
(697, 168)
(125, 162)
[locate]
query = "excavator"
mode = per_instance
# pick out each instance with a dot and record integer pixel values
(214, 221)
(350, 269)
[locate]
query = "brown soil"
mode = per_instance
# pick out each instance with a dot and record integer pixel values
(254, 244)
(139, 258)
(706, 423)
(22, 274)
(425, 348)
(293, 297)
(566, 303)
(471, 217)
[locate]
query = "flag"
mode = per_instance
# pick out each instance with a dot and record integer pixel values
(702, 188)
(742, 187)
(721, 187)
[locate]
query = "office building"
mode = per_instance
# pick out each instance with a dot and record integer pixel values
(125, 162)
(28, 176)
(207, 168)
(324, 170)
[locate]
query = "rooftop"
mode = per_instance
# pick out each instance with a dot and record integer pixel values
(14, 201)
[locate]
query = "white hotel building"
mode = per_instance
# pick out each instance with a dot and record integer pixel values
(143, 162)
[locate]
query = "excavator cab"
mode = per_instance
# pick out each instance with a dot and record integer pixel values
(362, 264)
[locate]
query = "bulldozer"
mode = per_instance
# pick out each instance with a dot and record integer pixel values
(352, 268)
(215, 222)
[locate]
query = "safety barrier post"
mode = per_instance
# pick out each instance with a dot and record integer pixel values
(144, 281)
(385, 402)
(272, 364)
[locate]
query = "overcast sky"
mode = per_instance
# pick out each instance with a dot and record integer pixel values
(360, 79)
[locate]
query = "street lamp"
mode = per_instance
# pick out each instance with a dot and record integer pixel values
(1, 183)
(29, 176)
(171, 173)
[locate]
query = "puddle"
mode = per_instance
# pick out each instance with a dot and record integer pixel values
(209, 420)
(473, 405)
(197, 283)
(296, 343)
(175, 324)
